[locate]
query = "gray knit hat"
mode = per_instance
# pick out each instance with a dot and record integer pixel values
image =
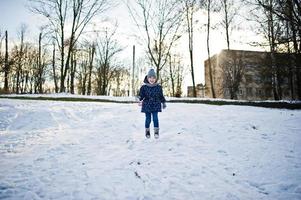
(151, 73)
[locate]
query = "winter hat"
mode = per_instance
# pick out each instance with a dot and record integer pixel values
(151, 73)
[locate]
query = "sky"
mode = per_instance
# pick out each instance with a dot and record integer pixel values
(16, 12)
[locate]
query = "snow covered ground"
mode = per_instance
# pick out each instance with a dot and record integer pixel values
(134, 99)
(80, 150)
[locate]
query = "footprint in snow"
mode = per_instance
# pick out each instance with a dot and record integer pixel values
(231, 196)
(131, 144)
(223, 152)
(137, 175)
(289, 156)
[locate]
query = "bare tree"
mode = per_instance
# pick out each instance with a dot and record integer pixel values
(208, 6)
(278, 22)
(119, 81)
(41, 64)
(270, 27)
(86, 59)
(176, 73)
(171, 74)
(20, 56)
(57, 12)
(190, 7)
(233, 70)
(289, 13)
(82, 72)
(73, 65)
(230, 12)
(54, 70)
(272, 41)
(6, 64)
(106, 49)
(91, 61)
(159, 22)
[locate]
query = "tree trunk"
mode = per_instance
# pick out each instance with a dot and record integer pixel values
(272, 50)
(68, 79)
(53, 69)
(290, 64)
(62, 83)
(158, 72)
(19, 68)
(18, 76)
(26, 81)
(296, 53)
(6, 65)
(171, 77)
(40, 66)
(208, 51)
(189, 18)
(72, 72)
(227, 23)
(84, 78)
(99, 81)
(67, 63)
(192, 73)
(92, 52)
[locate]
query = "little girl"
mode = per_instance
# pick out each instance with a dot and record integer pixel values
(151, 97)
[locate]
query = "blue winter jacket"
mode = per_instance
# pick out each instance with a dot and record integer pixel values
(152, 96)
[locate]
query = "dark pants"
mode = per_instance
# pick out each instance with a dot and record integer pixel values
(148, 119)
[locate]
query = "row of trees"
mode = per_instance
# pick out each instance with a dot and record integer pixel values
(63, 53)
(282, 29)
(24, 67)
(163, 22)
(279, 22)
(69, 54)
(92, 67)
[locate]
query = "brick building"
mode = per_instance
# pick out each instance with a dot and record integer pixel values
(248, 75)
(200, 91)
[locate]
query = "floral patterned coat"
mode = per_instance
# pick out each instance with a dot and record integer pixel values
(152, 97)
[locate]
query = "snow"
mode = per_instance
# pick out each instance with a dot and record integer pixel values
(134, 99)
(89, 150)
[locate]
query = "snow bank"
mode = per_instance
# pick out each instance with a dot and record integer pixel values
(67, 97)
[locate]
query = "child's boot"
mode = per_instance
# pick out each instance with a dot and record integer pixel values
(156, 132)
(147, 133)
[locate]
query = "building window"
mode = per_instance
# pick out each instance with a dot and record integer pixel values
(268, 92)
(248, 78)
(249, 91)
(258, 92)
(240, 92)
(249, 66)
(266, 79)
(226, 91)
(257, 79)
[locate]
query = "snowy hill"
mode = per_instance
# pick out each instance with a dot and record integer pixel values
(88, 150)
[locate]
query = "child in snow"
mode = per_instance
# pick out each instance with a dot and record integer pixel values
(151, 97)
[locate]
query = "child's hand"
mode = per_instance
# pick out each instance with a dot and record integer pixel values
(140, 102)
(164, 105)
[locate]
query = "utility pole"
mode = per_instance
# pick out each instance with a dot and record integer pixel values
(133, 73)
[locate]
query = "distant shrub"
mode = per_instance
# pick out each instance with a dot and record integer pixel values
(2, 91)
(264, 104)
